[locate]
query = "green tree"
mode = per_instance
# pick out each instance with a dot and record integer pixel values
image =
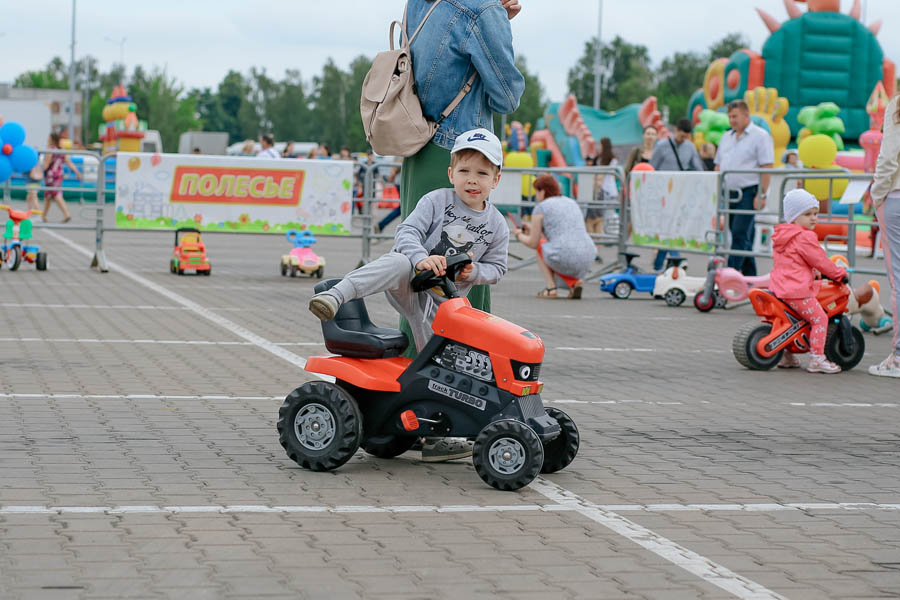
(165, 106)
(533, 103)
(356, 135)
(626, 78)
(54, 76)
(728, 45)
(677, 78)
(330, 110)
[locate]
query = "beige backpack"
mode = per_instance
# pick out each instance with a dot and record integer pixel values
(391, 113)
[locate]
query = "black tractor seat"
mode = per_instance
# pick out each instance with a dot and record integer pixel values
(352, 334)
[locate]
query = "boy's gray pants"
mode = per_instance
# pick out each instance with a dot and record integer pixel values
(392, 274)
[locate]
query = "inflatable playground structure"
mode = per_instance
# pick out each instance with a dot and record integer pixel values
(820, 85)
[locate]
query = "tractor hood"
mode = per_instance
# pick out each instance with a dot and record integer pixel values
(458, 321)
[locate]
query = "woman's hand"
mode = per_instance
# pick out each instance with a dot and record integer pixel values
(512, 8)
(526, 228)
(435, 263)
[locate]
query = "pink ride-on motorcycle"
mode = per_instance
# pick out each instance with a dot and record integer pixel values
(724, 284)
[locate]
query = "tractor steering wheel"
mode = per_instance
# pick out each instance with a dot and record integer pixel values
(428, 279)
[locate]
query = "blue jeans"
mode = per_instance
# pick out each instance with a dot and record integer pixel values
(660, 261)
(388, 219)
(742, 230)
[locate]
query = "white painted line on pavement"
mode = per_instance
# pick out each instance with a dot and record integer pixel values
(566, 506)
(849, 404)
(93, 306)
(204, 312)
(67, 396)
(169, 342)
(598, 349)
(690, 561)
(125, 307)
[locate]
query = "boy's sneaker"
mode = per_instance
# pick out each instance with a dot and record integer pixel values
(789, 361)
(819, 364)
(324, 305)
(443, 449)
(889, 367)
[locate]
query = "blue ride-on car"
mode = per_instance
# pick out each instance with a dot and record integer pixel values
(622, 283)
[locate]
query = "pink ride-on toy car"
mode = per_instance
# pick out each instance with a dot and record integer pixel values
(724, 284)
(302, 258)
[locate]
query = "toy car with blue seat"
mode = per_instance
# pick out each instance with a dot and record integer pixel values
(621, 284)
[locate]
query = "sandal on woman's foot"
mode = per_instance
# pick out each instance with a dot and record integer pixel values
(67, 219)
(547, 293)
(575, 290)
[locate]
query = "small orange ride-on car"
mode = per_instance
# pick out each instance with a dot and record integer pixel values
(759, 346)
(477, 377)
(190, 253)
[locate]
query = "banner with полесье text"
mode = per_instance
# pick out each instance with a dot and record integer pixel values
(676, 209)
(236, 194)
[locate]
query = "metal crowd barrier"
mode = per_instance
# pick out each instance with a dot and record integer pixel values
(719, 238)
(99, 260)
(609, 207)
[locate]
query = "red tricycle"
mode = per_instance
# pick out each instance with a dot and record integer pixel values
(759, 346)
(18, 230)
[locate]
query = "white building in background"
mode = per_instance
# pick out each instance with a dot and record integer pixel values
(40, 111)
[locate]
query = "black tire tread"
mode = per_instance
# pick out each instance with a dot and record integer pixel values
(388, 446)
(741, 351)
(347, 418)
(561, 451)
(524, 435)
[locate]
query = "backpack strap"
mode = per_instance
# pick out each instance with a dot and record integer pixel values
(459, 96)
(405, 40)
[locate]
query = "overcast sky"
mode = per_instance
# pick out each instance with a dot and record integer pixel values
(198, 41)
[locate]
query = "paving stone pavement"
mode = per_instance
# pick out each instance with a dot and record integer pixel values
(139, 457)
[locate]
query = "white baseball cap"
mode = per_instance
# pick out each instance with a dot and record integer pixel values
(482, 140)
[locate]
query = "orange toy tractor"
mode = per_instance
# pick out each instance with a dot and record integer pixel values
(189, 253)
(759, 346)
(476, 378)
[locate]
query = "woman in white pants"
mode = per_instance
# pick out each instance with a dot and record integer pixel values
(886, 199)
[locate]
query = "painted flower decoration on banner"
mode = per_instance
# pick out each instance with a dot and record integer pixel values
(14, 154)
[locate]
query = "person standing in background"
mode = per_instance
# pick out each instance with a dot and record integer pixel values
(745, 146)
(885, 196)
(461, 38)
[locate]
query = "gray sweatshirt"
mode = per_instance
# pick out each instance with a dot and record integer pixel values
(442, 224)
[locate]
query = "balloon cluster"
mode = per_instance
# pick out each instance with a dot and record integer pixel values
(14, 155)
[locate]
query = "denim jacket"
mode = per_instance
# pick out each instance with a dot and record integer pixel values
(459, 38)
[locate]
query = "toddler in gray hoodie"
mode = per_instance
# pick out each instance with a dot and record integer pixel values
(445, 222)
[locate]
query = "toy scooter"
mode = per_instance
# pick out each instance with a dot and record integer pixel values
(302, 258)
(477, 377)
(18, 230)
(674, 285)
(724, 284)
(759, 346)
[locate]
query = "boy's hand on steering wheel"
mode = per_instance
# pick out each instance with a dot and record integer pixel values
(467, 270)
(435, 263)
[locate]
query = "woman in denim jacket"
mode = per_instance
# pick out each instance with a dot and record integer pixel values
(460, 37)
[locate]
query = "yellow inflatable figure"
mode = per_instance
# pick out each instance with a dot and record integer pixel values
(818, 152)
(521, 160)
(771, 108)
(714, 84)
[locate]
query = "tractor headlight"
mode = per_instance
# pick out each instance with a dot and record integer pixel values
(526, 371)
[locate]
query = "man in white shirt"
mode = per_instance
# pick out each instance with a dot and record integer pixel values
(267, 141)
(745, 146)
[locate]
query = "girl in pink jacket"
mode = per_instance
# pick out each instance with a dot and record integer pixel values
(798, 258)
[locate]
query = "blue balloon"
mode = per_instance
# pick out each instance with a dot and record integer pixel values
(5, 168)
(12, 133)
(23, 158)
